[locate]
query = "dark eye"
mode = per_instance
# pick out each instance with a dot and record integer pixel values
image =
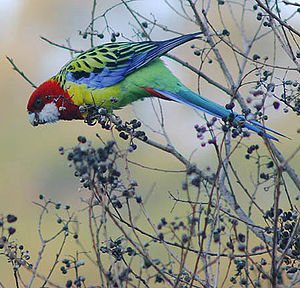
(38, 103)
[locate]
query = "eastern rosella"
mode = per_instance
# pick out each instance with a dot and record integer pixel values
(126, 71)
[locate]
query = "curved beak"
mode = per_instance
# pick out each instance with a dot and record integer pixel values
(33, 118)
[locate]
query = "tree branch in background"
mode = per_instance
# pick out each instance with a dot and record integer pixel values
(289, 27)
(20, 72)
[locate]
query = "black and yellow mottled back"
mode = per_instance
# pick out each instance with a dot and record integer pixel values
(108, 64)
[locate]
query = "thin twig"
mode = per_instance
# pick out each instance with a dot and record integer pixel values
(16, 279)
(155, 169)
(260, 4)
(174, 244)
(291, 3)
(286, 167)
(142, 252)
(20, 72)
(92, 23)
(56, 261)
(61, 45)
(136, 19)
(40, 276)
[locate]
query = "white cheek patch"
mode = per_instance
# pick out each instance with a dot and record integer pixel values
(49, 114)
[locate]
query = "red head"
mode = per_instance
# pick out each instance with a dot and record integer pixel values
(50, 103)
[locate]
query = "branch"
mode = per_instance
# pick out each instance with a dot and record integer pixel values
(60, 45)
(291, 172)
(291, 3)
(92, 22)
(182, 159)
(140, 250)
(42, 277)
(20, 72)
(136, 19)
(260, 4)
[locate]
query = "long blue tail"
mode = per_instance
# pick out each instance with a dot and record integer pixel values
(198, 102)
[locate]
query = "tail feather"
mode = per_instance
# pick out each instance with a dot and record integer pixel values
(198, 102)
(257, 124)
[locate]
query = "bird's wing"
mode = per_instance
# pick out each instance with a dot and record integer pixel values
(108, 64)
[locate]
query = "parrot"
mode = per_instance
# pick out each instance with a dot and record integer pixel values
(125, 72)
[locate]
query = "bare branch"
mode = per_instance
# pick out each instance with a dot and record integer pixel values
(289, 27)
(20, 72)
(61, 45)
(291, 3)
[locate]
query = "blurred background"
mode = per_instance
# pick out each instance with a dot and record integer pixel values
(30, 163)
